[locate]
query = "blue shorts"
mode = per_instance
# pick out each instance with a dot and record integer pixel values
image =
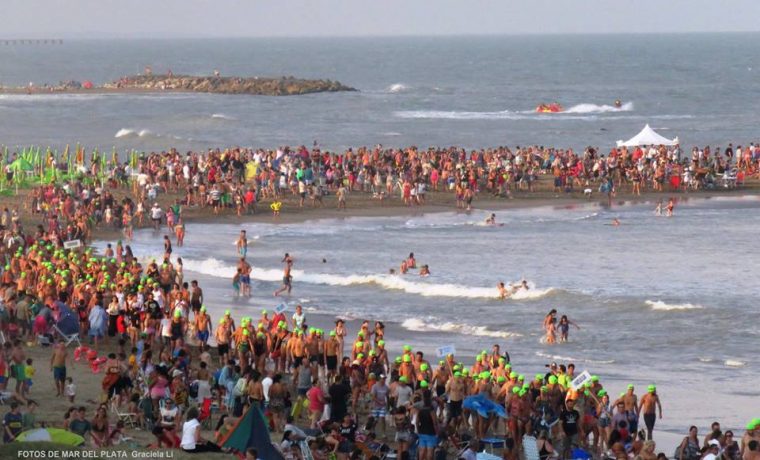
(245, 279)
(203, 336)
(428, 441)
(59, 373)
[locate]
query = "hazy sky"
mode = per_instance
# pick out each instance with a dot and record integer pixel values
(255, 18)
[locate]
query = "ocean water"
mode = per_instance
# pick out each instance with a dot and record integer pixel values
(471, 91)
(658, 300)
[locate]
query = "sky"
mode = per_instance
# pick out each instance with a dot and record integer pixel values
(316, 18)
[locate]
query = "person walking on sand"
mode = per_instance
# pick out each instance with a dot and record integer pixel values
(341, 195)
(58, 366)
(649, 402)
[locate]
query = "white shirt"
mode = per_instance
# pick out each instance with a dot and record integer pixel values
(188, 434)
(266, 383)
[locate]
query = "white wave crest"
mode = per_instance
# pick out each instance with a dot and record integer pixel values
(594, 108)
(143, 134)
(217, 268)
(734, 363)
(396, 88)
(418, 325)
(573, 360)
(221, 116)
(659, 305)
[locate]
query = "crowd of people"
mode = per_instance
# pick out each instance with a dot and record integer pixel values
(148, 332)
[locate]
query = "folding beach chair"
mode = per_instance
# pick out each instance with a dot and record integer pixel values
(129, 418)
(68, 338)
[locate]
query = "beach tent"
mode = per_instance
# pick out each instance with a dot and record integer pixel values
(68, 322)
(56, 435)
(251, 431)
(647, 136)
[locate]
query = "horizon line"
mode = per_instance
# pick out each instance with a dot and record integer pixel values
(84, 37)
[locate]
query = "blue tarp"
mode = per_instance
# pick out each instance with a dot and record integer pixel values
(484, 406)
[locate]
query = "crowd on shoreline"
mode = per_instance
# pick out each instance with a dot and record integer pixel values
(235, 180)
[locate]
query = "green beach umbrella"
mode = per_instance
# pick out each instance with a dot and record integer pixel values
(56, 435)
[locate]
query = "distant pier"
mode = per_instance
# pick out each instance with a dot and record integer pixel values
(32, 41)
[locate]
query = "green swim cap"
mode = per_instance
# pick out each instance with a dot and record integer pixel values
(260, 335)
(465, 372)
(203, 308)
(398, 358)
(501, 379)
(544, 389)
(380, 343)
(457, 374)
(525, 386)
(424, 367)
(407, 359)
(601, 393)
(177, 313)
(594, 378)
(263, 312)
(520, 377)
(515, 390)
(502, 360)
(360, 356)
(423, 384)
(512, 375)
(403, 379)
(539, 377)
(457, 367)
(630, 386)
(227, 312)
(359, 345)
(552, 380)
(587, 393)
(333, 334)
(360, 334)
(522, 393)
(407, 348)
(281, 323)
(441, 362)
(651, 388)
(372, 353)
(246, 332)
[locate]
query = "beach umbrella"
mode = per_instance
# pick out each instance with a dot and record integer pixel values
(87, 84)
(56, 435)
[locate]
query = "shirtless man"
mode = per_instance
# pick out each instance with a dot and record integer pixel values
(332, 347)
(630, 402)
(297, 348)
(196, 296)
(649, 402)
(245, 276)
(58, 366)
(455, 388)
(503, 294)
(222, 335)
(202, 325)
(18, 360)
(287, 278)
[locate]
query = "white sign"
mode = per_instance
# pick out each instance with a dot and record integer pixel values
(72, 244)
(280, 308)
(445, 351)
(581, 380)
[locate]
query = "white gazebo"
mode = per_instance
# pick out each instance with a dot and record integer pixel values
(647, 136)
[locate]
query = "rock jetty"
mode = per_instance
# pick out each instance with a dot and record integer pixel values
(282, 86)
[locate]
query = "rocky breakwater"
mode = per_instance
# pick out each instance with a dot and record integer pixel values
(283, 86)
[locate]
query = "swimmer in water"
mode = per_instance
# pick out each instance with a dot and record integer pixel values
(658, 209)
(549, 326)
(616, 222)
(424, 271)
(503, 294)
(671, 205)
(404, 267)
(392, 271)
(491, 220)
(411, 262)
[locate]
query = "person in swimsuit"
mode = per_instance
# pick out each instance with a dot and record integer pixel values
(242, 244)
(550, 327)
(564, 328)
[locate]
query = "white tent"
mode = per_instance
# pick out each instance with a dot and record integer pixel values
(647, 136)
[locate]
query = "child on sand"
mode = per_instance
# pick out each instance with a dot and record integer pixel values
(275, 207)
(71, 389)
